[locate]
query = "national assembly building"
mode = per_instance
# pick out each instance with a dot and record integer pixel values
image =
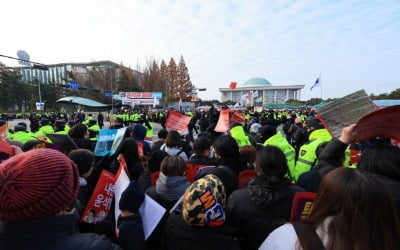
(260, 92)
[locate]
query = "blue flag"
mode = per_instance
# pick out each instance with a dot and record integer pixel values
(316, 84)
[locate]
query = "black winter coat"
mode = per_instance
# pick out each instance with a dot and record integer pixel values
(179, 235)
(155, 239)
(256, 211)
(60, 232)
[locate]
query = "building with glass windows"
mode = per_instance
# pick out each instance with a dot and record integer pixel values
(259, 92)
(59, 73)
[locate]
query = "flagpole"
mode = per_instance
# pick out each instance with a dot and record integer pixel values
(320, 84)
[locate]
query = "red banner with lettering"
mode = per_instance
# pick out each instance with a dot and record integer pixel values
(177, 121)
(223, 121)
(99, 204)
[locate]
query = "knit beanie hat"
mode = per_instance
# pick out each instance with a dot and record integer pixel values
(132, 197)
(203, 202)
(37, 183)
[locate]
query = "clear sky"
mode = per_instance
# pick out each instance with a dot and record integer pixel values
(353, 44)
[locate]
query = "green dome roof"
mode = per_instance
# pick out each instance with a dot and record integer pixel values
(256, 81)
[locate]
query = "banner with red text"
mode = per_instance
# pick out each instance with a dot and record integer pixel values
(99, 204)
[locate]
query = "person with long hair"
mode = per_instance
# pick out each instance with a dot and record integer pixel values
(129, 150)
(266, 203)
(352, 210)
(383, 160)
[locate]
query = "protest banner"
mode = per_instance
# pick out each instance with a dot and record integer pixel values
(109, 140)
(223, 121)
(99, 204)
(177, 121)
(381, 123)
(345, 111)
(302, 206)
(238, 117)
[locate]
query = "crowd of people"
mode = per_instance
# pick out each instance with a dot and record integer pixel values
(220, 190)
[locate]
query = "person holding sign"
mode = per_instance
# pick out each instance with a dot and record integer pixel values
(37, 189)
(352, 211)
(170, 186)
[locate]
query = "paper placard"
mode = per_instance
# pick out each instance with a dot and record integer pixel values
(223, 121)
(238, 117)
(384, 122)
(99, 204)
(345, 111)
(177, 121)
(302, 206)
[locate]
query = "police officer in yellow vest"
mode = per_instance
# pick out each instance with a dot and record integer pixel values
(149, 127)
(20, 133)
(271, 137)
(45, 128)
(59, 127)
(87, 119)
(237, 132)
(307, 153)
(94, 130)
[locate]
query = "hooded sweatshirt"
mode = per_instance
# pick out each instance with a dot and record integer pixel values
(139, 132)
(171, 187)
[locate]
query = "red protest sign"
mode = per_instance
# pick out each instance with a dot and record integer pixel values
(99, 204)
(177, 121)
(383, 122)
(223, 121)
(238, 116)
(302, 206)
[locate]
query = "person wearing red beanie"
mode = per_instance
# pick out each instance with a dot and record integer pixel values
(36, 187)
